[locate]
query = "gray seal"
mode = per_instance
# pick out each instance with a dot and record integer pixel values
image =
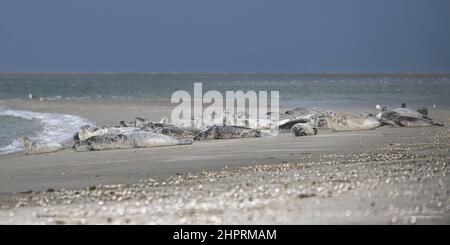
(405, 117)
(135, 139)
(395, 118)
(178, 132)
(304, 129)
(344, 122)
(87, 131)
(301, 115)
(227, 132)
(167, 129)
(34, 147)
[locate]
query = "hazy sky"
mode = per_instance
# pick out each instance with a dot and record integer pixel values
(226, 35)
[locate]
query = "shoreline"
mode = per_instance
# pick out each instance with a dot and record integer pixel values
(402, 168)
(154, 109)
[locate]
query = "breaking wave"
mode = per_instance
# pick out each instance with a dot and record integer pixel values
(53, 127)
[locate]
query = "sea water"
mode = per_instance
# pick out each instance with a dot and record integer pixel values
(51, 127)
(328, 86)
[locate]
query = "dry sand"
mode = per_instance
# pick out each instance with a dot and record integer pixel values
(383, 176)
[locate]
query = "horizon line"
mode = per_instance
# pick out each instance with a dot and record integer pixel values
(215, 72)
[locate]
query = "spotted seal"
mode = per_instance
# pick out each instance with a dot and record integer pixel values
(34, 147)
(291, 117)
(178, 132)
(406, 117)
(409, 120)
(227, 132)
(162, 127)
(304, 129)
(87, 131)
(127, 140)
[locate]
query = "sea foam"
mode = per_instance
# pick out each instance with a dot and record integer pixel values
(54, 127)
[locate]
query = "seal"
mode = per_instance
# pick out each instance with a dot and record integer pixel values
(343, 122)
(178, 132)
(138, 123)
(304, 129)
(416, 122)
(87, 131)
(405, 117)
(230, 118)
(243, 119)
(291, 117)
(128, 140)
(165, 128)
(406, 112)
(33, 147)
(395, 118)
(318, 117)
(287, 124)
(227, 132)
(302, 113)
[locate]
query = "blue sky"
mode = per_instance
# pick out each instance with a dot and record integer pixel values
(227, 35)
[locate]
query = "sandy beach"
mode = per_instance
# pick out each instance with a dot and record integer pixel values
(389, 175)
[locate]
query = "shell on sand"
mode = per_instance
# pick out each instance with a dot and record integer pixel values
(343, 122)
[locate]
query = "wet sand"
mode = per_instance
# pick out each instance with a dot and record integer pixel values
(383, 176)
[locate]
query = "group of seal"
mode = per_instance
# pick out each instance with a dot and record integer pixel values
(304, 122)
(141, 133)
(398, 116)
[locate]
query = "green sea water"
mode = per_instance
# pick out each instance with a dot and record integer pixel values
(315, 87)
